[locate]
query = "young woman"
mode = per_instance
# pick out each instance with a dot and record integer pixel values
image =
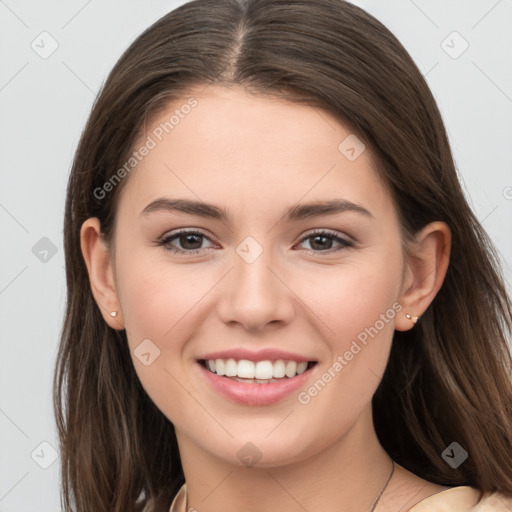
(278, 296)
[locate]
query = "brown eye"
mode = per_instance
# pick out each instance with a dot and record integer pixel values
(322, 241)
(190, 242)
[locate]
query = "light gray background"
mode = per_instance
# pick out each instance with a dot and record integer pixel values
(44, 103)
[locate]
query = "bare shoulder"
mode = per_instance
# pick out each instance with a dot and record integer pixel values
(464, 499)
(406, 490)
(410, 493)
(496, 502)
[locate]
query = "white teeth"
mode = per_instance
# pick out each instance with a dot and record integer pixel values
(291, 369)
(258, 381)
(301, 367)
(261, 372)
(220, 366)
(245, 369)
(279, 369)
(231, 368)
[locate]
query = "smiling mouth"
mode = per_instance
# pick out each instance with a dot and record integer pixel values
(262, 372)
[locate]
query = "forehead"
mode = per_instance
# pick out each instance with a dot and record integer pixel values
(228, 145)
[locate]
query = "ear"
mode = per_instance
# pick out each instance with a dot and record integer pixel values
(426, 266)
(98, 260)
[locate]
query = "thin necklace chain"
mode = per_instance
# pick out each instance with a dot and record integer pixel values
(376, 499)
(384, 488)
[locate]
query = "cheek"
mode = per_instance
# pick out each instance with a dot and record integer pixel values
(158, 296)
(357, 304)
(161, 303)
(353, 298)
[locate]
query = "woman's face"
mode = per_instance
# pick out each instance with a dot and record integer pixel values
(258, 280)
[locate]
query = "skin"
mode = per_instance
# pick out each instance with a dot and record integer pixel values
(255, 157)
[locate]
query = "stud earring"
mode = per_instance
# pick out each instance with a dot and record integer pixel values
(114, 313)
(413, 318)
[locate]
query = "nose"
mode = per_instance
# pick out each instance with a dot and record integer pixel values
(255, 295)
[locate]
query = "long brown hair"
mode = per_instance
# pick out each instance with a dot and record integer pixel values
(448, 379)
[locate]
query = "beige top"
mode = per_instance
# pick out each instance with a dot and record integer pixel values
(456, 499)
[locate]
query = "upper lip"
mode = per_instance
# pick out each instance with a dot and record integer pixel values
(255, 356)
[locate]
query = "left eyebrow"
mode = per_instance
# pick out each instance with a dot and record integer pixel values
(294, 213)
(323, 208)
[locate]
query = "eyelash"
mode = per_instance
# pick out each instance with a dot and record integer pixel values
(345, 244)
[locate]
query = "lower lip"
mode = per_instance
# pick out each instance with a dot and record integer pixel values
(253, 393)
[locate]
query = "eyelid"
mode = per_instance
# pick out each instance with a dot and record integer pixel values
(330, 232)
(186, 230)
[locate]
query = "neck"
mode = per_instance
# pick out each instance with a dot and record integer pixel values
(348, 473)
